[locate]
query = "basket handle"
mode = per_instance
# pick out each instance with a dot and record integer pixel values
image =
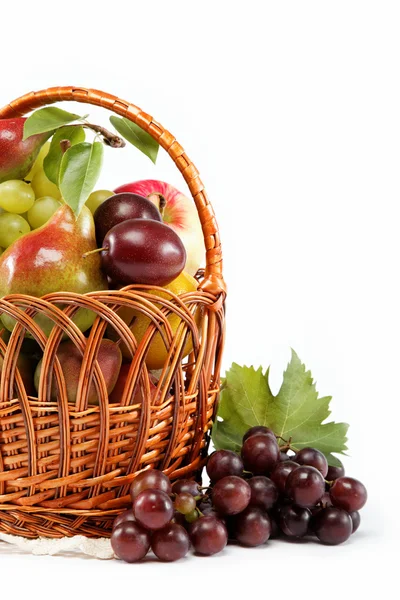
(213, 280)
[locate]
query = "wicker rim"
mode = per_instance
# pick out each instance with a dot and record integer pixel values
(213, 280)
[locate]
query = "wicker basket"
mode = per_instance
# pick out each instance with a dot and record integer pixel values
(65, 469)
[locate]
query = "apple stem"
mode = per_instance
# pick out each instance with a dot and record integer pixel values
(90, 252)
(161, 201)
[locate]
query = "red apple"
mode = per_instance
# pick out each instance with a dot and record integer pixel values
(179, 213)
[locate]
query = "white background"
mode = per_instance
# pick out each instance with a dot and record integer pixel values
(291, 111)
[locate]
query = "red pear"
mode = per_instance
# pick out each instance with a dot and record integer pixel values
(51, 259)
(17, 155)
(118, 390)
(109, 358)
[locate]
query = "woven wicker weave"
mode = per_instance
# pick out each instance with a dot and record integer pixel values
(65, 469)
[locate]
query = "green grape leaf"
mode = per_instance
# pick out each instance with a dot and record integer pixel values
(136, 136)
(295, 413)
(79, 171)
(48, 119)
(75, 135)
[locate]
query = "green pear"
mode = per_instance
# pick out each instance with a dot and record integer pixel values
(109, 358)
(52, 259)
(17, 154)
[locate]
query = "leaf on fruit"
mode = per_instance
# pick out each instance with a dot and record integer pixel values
(295, 413)
(48, 119)
(79, 171)
(136, 136)
(75, 135)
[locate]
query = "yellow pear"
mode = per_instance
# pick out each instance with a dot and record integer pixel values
(138, 323)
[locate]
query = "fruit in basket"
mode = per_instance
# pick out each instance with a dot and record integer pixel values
(25, 367)
(51, 259)
(109, 358)
(17, 155)
(122, 207)
(12, 227)
(38, 164)
(16, 196)
(142, 251)
(97, 198)
(178, 212)
(119, 387)
(138, 323)
(42, 211)
(42, 186)
(4, 335)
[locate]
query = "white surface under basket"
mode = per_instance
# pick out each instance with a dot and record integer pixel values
(97, 548)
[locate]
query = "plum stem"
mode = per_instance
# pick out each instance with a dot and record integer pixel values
(90, 252)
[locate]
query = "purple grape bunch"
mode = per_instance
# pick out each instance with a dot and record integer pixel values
(264, 492)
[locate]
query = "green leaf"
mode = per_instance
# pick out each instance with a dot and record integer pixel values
(75, 135)
(137, 137)
(48, 119)
(296, 412)
(79, 171)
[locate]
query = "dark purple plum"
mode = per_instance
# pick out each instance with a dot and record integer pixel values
(122, 207)
(143, 251)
